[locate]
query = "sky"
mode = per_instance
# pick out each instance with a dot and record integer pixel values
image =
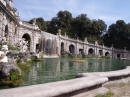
(108, 10)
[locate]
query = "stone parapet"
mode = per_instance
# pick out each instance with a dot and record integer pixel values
(55, 88)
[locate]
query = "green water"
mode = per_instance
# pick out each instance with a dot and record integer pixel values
(50, 70)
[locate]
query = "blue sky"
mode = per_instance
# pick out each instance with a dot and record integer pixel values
(107, 10)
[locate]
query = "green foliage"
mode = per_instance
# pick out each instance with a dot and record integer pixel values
(79, 27)
(109, 94)
(26, 64)
(40, 22)
(14, 75)
(32, 58)
(11, 83)
(23, 67)
(105, 57)
(12, 80)
(118, 35)
(10, 47)
(82, 27)
(62, 21)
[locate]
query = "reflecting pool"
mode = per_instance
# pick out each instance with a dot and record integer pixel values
(50, 70)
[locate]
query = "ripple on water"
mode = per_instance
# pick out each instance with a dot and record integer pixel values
(50, 70)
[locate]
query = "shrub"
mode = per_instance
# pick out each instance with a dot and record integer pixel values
(12, 80)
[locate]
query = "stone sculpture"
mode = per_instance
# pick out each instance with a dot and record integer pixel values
(5, 65)
(23, 45)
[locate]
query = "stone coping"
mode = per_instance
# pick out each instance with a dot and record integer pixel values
(110, 74)
(55, 88)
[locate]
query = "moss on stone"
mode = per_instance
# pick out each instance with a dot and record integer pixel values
(24, 66)
(109, 94)
(11, 83)
(79, 60)
(13, 48)
(12, 80)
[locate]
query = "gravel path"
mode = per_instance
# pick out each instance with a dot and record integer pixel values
(121, 91)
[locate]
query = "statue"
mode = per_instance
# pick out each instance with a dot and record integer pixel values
(5, 65)
(23, 45)
(3, 52)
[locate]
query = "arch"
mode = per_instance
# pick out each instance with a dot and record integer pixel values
(107, 54)
(100, 52)
(62, 47)
(118, 56)
(72, 49)
(90, 51)
(27, 38)
(81, 51)
(6, 30)
(38, 48)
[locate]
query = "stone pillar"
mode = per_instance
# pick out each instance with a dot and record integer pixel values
(76, 48)
(96, 49)
(112, 52)
(58, 46)
(86, 46)
(11, 3)
(103, 50)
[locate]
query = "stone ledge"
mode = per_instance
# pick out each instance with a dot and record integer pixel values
(55, 88)
(110, 75)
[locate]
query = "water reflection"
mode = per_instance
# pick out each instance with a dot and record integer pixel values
(50, 70)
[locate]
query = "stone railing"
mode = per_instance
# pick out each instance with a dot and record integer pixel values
(48, 35)
(27, 25)
(85, 42)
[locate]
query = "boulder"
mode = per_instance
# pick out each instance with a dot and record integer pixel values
(6, 68)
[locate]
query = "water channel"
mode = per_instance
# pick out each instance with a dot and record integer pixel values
(51, 70)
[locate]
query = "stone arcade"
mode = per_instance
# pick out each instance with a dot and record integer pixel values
(17, 32)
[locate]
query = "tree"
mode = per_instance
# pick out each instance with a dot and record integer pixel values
(62, 21)
(118, 35)
(80, 26)
(40, 22)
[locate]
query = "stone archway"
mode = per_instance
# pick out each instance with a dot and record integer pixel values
(6, 31)
(118, 56)
(62, 48)
(27, 38)
(90, 51)
(72, 49)
(107, 54)
(100, 52)
(38, 48)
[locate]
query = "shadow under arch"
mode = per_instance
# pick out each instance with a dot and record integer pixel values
(6, 31)
(62, 47)
(91, 51)
(107, 54)
(27, 38)
(72, 49)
